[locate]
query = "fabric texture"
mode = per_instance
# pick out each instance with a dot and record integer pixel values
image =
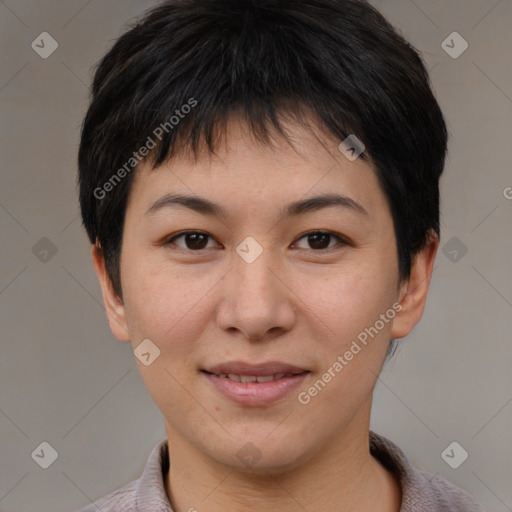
(421, 491)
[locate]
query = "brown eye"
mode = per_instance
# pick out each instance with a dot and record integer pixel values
(196, 241)
(193, 240)
(320, 240)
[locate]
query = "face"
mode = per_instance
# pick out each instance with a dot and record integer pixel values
(267, 280)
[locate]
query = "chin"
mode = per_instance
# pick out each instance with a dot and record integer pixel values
(259, 455)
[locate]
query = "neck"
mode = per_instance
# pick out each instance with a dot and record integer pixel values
(343, 476)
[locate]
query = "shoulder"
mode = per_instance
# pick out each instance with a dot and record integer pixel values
(146, 493)
(447, 497)
(421, 491)
(122, 499)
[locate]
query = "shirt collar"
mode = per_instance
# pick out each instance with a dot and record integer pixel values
(411, 482)
(151, 495)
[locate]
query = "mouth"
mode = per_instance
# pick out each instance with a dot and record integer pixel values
(235, 377)
(255, 385)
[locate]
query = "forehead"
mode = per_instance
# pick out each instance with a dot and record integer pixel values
(251, 176)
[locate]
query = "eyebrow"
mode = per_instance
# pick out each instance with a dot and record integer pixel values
(300, 207)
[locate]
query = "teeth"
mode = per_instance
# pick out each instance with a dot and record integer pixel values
(253, 378)
(247, 378)
(264, 378)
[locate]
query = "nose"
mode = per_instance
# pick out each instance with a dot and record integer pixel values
(257, 299)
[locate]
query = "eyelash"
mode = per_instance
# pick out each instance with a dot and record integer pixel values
(343, 241)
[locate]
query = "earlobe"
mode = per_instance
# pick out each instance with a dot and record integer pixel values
(413, 294)
(114, 306)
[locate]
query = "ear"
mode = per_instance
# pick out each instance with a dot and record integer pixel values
(413, 292)
(114, 306)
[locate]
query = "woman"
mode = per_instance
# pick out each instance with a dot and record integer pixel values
(260, 185)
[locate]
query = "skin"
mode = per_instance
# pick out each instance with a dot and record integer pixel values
(297, 303)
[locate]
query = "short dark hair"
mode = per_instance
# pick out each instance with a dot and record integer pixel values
(172, 81)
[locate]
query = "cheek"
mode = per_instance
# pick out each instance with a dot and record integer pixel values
(350, 348)
(165, 306)
(167, 309)
(350, 301)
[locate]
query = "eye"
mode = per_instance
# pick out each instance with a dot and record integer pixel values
(193, 240)
(319, 240)
(197, 240)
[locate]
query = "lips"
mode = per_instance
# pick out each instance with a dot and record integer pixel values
(255, 385)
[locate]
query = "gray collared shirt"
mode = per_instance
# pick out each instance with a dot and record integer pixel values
(421, 491)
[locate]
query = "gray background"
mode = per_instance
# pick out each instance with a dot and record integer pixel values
(66, 380)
